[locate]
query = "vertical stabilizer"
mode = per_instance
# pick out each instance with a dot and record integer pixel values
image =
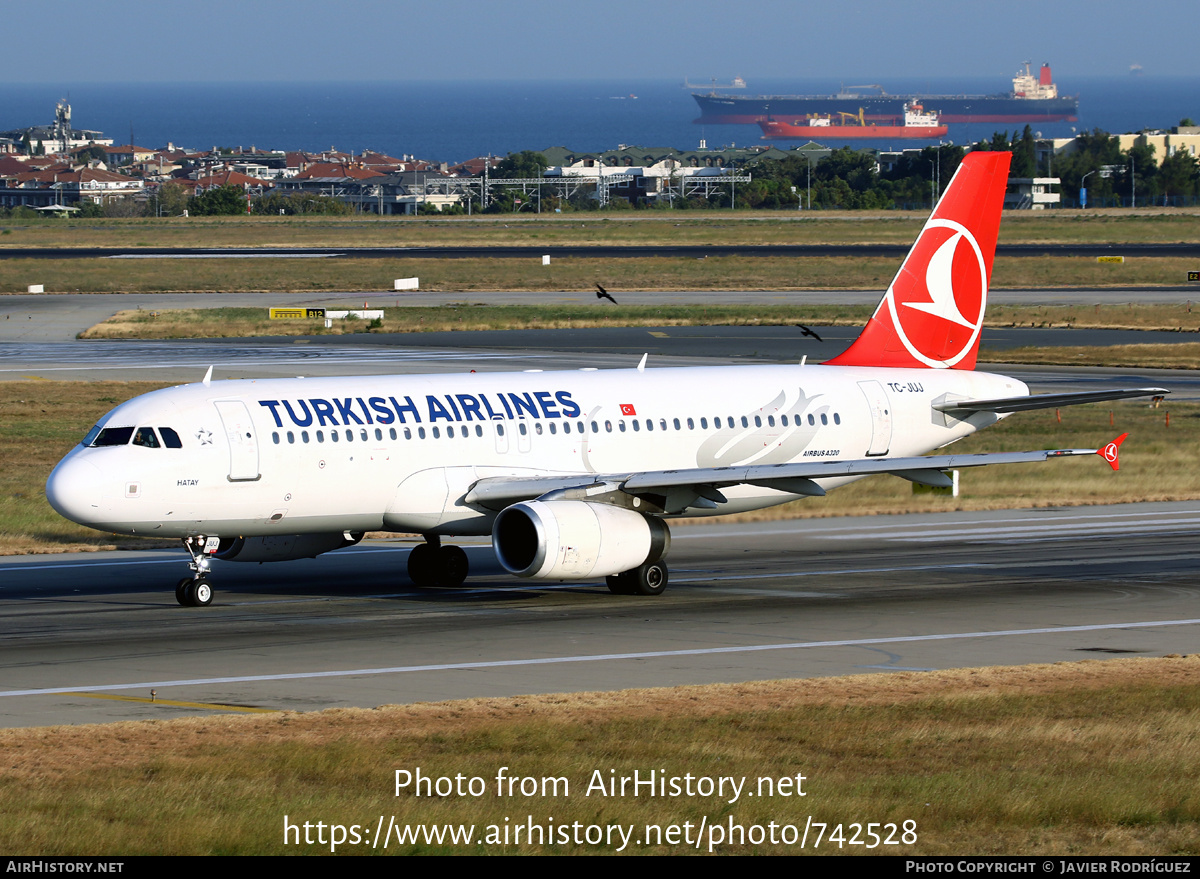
(932, 313)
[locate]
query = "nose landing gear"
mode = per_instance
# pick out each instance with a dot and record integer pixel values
(196, 591)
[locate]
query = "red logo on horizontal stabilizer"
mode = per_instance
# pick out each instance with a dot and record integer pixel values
(1109, 451)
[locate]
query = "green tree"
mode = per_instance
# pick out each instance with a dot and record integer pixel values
(94, 152)
(275, 203)
(124, 207)
(169, 200)
(1024, 150)
(1138, 181)
(1178, 174)
(526, 163)
(222, 201)
(1091, 152)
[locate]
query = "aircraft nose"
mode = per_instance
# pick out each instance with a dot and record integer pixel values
(74, 489)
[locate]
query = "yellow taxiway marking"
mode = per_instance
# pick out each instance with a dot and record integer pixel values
(210, 706)
(657, 335)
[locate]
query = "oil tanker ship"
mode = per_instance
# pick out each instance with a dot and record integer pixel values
(917, 123)
(1034, 98)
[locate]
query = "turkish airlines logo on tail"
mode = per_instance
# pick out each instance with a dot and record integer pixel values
(937, 301)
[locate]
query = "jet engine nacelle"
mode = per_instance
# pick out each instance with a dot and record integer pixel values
(283, 547)
(576, 540)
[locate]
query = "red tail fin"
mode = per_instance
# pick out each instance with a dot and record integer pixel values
(932, 313)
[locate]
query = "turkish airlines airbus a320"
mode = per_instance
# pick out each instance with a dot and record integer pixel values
(574, 474)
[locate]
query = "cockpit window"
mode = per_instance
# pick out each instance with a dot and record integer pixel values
(112, 436)
(146, 436)
(170, 438)
(91, 435)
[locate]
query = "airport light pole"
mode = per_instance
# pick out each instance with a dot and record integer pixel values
(1083, 189)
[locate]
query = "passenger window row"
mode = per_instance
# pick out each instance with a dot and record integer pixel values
(552, 427)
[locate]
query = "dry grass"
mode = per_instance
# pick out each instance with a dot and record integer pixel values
(985, 761)
(680, 227)
(1185, 355)
(474, 275)
(236, 322)
(440, 275)
(194, 323)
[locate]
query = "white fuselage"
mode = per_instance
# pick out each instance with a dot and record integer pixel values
(400, 453)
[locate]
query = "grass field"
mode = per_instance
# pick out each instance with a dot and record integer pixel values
(643, 227)
(40, 422)
(1069, 759)
(464, 276)
(466, 316)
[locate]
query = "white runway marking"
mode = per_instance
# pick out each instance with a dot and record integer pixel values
(603, 657)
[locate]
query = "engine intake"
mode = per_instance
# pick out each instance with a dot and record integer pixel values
(576, 540)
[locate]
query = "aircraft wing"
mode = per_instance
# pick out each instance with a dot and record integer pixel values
(702, 484)
(1046, 401)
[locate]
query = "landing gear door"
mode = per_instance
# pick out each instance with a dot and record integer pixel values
(243, 444)
(881, 417)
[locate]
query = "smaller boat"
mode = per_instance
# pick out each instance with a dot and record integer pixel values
(915, 124)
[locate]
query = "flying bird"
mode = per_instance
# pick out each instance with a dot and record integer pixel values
(601, 293)
(805, 331)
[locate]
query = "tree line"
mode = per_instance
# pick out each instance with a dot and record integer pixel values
(845, 179)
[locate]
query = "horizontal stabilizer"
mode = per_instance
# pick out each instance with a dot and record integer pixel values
(1046, 401)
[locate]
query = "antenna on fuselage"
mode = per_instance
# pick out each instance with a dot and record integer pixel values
(207, 378)
(642, 363)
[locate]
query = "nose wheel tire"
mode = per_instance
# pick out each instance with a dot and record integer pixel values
(194, 592)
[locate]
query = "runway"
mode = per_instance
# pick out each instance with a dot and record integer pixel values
(89, 636)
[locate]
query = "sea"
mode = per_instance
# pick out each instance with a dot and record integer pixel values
(454, 121)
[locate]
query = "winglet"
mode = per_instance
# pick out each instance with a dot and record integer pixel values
(1109, 451)
(207, 377)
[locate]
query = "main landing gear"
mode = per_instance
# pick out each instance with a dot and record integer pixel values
(195, 591)
(649, 578)
(431, 564)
